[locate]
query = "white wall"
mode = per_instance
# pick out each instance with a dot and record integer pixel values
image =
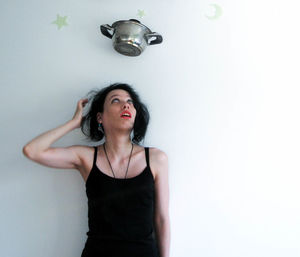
(224, 101)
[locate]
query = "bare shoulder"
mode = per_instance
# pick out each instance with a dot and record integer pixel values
(158, 161)
(157, 155)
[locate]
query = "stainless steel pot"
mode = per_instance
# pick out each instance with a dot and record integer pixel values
(130, 37)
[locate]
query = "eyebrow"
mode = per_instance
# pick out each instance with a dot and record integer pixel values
(118, 95)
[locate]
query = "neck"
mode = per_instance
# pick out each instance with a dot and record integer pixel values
(118, 146)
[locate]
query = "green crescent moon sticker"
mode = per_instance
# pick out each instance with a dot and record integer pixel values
(217, 14)
(60, 21)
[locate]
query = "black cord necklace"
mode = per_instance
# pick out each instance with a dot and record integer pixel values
(110, 164)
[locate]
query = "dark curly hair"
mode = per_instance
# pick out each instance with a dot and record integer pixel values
(89, 124)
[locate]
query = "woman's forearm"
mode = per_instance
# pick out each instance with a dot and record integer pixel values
(163, 235)
(45, 140)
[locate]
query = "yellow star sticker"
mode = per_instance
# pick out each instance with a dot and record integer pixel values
(141, 13)
(60, 21)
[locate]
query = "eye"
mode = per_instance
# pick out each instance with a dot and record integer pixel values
(114, 99)
(130, 100)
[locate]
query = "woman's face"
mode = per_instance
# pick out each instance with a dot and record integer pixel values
(118, 112)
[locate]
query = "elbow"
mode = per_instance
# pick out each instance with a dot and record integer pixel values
(162, 225)
(27, 152)
(160, 220)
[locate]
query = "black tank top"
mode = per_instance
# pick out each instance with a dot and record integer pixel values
(120, 214)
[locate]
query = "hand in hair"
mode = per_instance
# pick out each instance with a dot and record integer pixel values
(77, 118)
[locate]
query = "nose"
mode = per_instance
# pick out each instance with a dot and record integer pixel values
(126, 105)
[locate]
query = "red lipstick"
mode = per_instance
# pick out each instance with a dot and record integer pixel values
(125, 115)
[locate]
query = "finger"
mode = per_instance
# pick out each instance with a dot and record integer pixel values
(84, 102)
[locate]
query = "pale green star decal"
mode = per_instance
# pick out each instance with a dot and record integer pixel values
(217, 12)
(60, 21)
(141, 13)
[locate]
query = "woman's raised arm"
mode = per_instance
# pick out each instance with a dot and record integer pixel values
(39, 150)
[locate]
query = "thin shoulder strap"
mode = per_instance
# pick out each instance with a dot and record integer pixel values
(147, 155)
(95, 155)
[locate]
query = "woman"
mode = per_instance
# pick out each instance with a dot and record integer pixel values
(126, 184)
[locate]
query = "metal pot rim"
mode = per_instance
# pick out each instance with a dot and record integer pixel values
(131, 21)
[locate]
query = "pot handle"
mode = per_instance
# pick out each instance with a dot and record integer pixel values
(158, 39)
(105, 28)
